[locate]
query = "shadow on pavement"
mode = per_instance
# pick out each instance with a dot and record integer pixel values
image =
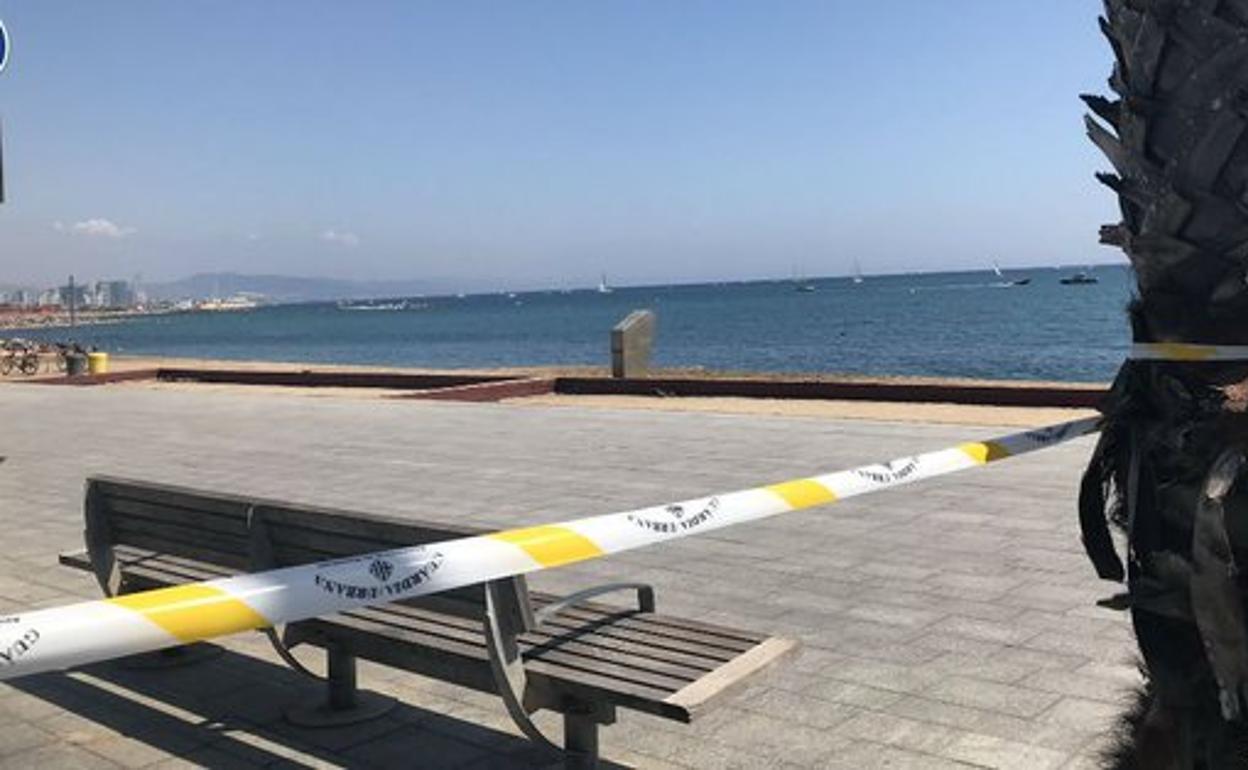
(227, 712)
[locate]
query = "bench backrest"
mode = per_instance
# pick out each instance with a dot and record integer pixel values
(248, 534)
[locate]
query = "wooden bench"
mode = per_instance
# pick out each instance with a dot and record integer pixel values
(570, 655)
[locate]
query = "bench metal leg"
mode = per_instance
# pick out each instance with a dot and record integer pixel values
(580, 741)
(345, 704)
(343, 692)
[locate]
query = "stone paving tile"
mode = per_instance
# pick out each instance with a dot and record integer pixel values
(903, 653)
(1077, 712)
(704, 755)
(850, 694)
(943, 641)
(986, 630)
(948, 628)
(1040, 659)
(1009, 728)
(420, 749)
(863, 755)
(126, 751)
(61, 756)
(18, 736)
(991, 696)
(1080, 684)
(980, 667)
(909, 734)
(893, 616)
(777, 736)
(987, 751)
(884, 676)
(804, 709)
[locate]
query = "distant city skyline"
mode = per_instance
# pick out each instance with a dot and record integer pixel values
(543, 144)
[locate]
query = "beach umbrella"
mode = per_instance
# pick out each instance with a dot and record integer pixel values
(1168, 468)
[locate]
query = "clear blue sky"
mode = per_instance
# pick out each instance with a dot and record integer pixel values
(541, 143)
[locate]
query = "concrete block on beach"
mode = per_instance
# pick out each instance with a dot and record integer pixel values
(631, 341)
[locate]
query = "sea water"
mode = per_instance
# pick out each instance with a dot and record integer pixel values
(937, 324)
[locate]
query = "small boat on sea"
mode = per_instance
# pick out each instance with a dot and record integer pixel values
(857, 272)
(1016, 282)
(603, 288)
(365, 306)
(1079, 279)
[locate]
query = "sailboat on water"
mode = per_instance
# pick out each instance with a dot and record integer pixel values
(801, 284)
(1017, 282)
(857, 271)
(603, 288)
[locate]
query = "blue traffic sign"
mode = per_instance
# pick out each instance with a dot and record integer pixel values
(4, 46)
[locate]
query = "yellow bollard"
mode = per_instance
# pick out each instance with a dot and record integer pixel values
(97, 363)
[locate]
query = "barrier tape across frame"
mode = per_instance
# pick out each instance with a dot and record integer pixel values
(63, 637)
(1189, 352)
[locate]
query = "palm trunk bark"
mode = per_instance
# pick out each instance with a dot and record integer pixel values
(1166, 467)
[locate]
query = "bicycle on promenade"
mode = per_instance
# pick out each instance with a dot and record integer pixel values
(20, 356)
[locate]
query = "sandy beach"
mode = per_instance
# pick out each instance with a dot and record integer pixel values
(934, 413)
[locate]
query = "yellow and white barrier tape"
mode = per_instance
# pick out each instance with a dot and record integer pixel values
(1187, 351)
(62, 637)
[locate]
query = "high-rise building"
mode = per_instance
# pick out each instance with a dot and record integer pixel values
(78, 292)
(114, 294)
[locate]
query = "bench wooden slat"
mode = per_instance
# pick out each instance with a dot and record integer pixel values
(296, 540)
(540, 645)
(638, 696)
(175, 534)
(606, 668)
(127, 509)
(234, 561)
(167, 494)
(629, 694)
(679, 627)
(603, 634)
(546, 634)
(128, 554)
(699, 694)
(610, 626)
(352, 524)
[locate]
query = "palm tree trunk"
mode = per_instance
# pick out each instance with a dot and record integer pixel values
(1166, 467)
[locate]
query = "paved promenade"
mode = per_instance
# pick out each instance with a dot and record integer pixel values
(947, 625)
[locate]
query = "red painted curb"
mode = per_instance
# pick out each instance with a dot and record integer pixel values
(98, 379)
(487, 391)
(986, 395)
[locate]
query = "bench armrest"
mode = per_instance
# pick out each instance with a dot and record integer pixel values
(645, 599)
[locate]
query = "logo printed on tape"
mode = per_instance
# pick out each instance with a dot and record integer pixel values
(1049, 435)
(890, 472)
(381, 569)
(345, 577)
(675, 518)
(10, 655)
